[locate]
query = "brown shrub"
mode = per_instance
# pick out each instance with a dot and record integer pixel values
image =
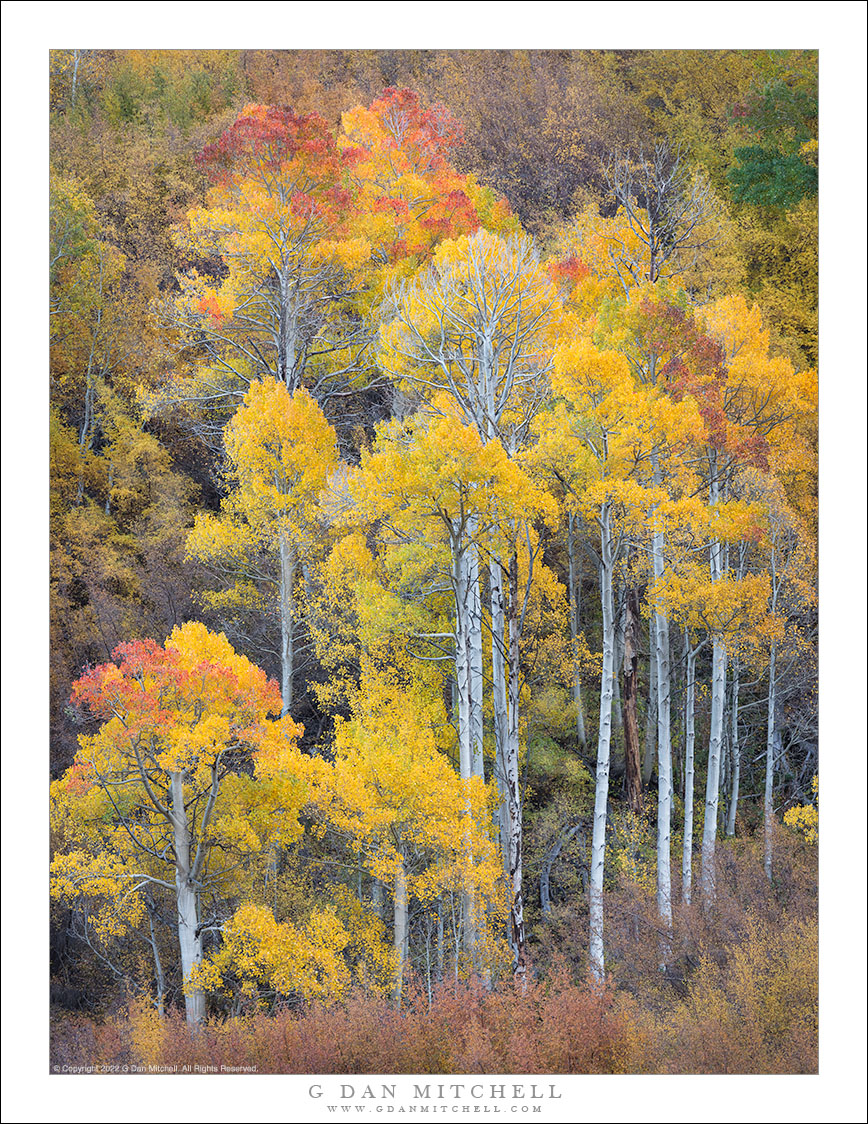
(738, 994)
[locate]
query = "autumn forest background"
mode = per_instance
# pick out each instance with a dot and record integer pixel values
(433, 466)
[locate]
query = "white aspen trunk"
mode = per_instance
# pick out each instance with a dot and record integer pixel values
(772, 735)
(287, 342)
(735, 753)
(189, 938)
(575, 595)
(287, 638)
(474, 643)
(715, 740)
(76, 57)
(712, 787)
(462, 658)
(401, 927)
(771, 745)
(499, 699)
(469, 719)
(604, 739)
(651, 717)
(85, 439)
(664, 744)
(513, 780)
(689, 708)
(632, 764)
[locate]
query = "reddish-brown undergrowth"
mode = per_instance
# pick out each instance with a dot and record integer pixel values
(556, 1027)
(732, 989)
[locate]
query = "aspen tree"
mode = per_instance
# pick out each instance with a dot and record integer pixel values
(310, 225)
(477, 325)
(438, 472)
(745, 395)
(281, 452)
(416, 826)
(599, 428)
(153, 801)
(656, 337)
(784, 554)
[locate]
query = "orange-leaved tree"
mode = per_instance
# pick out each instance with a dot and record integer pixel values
(300, 233)
(278, 231)
(410, 196)
(187, 779)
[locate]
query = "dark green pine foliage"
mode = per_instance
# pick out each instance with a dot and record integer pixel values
(779, 171)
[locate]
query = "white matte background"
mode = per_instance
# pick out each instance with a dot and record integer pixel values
(838, 30)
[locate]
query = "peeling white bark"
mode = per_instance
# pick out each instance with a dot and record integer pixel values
(500, 705)
(715, 741)
(189, 938)
(664, 746)
(401, 928)
(604, 738)
(474, 647)
(712, 787)
(513, 780)
(771, 746)
(689, 708)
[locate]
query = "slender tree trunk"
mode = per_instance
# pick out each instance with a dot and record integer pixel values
(545, 875)
(689, 705)
(651, 718)
(441, 944)
(462, 657)
(287, 334)
(772, 733)
(76, 58)
(159, 977)
(664, 734)
(575, 595)
(664, 778)
(617, 708)
(378, 899)
(85, 439)
(189, 937)
(468, 757)
(401, 927)
(109, 486)
(287, 638)
(474, 638)
(604, 740)
(715, 740)
(631, 721)
(771, 745)
(735, 753)
(513, 780)
(712, 787)
(499, 699)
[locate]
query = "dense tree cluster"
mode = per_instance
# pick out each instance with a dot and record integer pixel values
(433, 513)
